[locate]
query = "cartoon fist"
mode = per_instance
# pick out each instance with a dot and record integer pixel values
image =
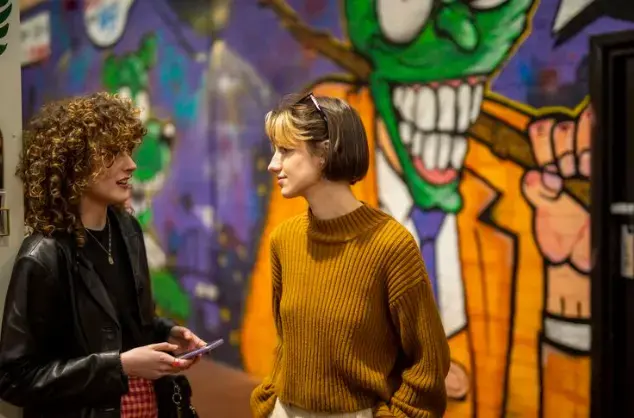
(457, 382)
(561, 147)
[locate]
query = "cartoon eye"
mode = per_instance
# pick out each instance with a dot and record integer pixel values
(125, 93)
(402, 20)
(142, 101)
(486, 4)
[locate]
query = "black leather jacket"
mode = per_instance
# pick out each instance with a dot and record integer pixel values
(61, 341)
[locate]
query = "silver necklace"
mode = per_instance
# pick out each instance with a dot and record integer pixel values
(109, 250)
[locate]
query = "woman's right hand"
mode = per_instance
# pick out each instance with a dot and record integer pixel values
(152, 362)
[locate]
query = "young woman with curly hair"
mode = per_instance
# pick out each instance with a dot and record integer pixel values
(79, 334)
(358, 328)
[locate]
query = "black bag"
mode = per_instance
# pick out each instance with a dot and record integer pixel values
(174, 396)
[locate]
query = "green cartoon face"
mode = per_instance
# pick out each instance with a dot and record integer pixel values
(128, 75)
(431, 59)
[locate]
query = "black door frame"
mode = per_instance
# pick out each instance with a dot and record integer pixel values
(607, 53)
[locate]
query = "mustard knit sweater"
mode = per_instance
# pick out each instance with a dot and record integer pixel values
(356, 320)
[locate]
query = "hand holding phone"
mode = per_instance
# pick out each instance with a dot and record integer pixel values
(202, 350)
(149, 362)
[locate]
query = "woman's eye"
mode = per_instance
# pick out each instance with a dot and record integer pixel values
(108, 160)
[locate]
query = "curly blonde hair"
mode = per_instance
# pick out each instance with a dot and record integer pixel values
(66, 146)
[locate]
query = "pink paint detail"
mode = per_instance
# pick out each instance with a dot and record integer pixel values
(475, 79)
(456, 82)
(434, 176)
(532, 179)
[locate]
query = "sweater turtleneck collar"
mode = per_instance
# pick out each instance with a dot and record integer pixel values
(346, 227)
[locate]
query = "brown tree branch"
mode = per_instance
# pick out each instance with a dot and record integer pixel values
(320, 41)
(510, 144)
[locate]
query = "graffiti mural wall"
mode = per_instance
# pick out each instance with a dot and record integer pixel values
(478, 118)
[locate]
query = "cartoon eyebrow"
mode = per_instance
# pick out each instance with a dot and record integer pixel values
(573, 16)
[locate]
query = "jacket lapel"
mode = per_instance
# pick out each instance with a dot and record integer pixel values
(95, 286)
(94, 283)
(132, 239)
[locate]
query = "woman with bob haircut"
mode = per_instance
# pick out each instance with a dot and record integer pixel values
(80, 337)
(359, 334)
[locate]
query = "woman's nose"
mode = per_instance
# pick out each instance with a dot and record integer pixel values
(130, 165)
(275, 166)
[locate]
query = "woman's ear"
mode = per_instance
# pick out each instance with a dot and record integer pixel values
(325, 150)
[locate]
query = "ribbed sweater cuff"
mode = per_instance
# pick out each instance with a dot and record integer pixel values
(383, 410)
(263, 401)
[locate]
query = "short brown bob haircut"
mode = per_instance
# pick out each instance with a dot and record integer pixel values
(331, 128)
(67, 145)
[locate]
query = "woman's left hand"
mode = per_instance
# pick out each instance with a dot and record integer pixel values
(186, 341)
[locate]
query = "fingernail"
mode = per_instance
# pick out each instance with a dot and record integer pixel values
(551, 168)
(566, 126)
(552, 181)
(539, 128)
(585, 164)
(567, 165)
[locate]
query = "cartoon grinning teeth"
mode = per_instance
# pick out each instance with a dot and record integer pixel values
(434, 120)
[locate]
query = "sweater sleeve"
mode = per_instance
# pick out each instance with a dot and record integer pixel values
(263, 397)
(421, 393)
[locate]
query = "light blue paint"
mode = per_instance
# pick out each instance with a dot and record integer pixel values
(527, 73)
(79, 68)
(176, 85)
(107, 16)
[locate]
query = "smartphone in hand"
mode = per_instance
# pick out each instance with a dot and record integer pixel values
(202, 350)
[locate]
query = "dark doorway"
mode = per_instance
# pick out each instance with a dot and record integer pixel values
(612, 215)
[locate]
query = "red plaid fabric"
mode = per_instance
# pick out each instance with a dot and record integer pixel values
(140, 401)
